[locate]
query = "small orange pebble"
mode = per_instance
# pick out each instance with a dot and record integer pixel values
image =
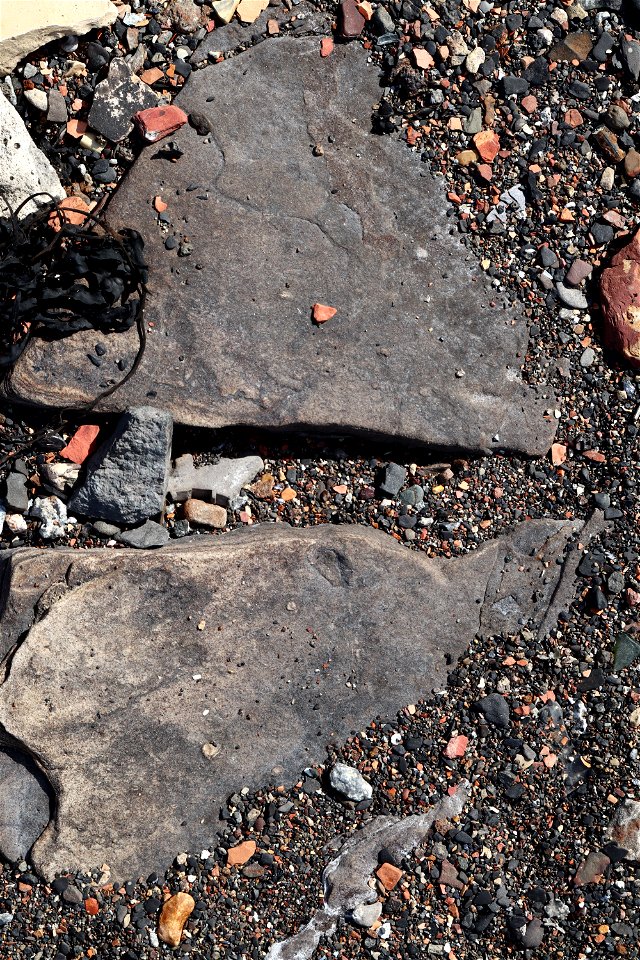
(529, 104)
(422, 58)
(92, 906)
(456, 747)
(322, 313)
(76, 128)
(388, 875)
(159, 205)
(288, 494)
(73, 211)
(340, 488)
(365, 9)
(326, 46)
(152, 75)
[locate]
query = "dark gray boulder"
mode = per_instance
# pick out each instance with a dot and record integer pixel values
(24, 803)
(421, 348)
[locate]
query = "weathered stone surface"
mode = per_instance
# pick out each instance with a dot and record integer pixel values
(620, 293)
(421, 347)
(124, 720)
(24, 170)
(24, 803)
(302, 20)
(127, 477)
(116, 99)
(27, 26)
(624, 828)
(219, 482)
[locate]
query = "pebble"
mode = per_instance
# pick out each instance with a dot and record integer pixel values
(173, 917)
(350, 783)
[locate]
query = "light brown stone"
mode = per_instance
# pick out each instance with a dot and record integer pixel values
(205, 514)
(173, 916)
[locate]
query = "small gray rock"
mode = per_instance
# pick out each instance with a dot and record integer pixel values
(24, 804)
(412, 496)
(350, 783)
(533, 935)
(366, 914)
(36, 99)
(624, 828)
(588, 357)
(127, 477)
(57, 112)
(107, 530)
(116, 99)
(393, 479)
(72, 895)
(16, 497)
(382, 22)
(219, 482)
(146, 537)
(630, 52)
(495, 710)
(571, 297)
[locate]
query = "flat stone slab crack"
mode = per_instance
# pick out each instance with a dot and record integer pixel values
(123, 669)
(291, 200)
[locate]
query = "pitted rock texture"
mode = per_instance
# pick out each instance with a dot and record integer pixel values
(24, 170)
(274, 621)
(323, 211)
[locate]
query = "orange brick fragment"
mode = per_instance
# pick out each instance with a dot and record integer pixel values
(388, 875)
(152, 75)
(238, 855)
(558, 454)
(92, 906)
(456, 747)
(76, 128)
(159, 205)
(322, 312)
(326, 46)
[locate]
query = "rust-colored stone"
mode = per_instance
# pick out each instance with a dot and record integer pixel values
(620, 299)
(388, 875)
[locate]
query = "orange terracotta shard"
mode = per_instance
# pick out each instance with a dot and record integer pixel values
(558, 454)
(487, 143)
(322, 312)
(456, 747)
(388, 875)
(82, 444)
(236, 856)
(326, 46)
(159, 205)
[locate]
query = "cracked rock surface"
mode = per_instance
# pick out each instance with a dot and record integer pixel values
(288, 202)
(203, 649)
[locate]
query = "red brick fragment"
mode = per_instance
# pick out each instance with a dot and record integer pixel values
(326, 46)
(322, 312)
(158, 122)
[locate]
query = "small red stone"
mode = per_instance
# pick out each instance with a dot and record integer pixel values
(159, 122)
(456, 747)
(487, 144)
(322, 312)
(82, 444)
(350, 20)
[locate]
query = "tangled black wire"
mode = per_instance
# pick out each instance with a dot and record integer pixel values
(57, 277)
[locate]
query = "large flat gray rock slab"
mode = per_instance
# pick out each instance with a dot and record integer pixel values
(267, 644)
(291, 201)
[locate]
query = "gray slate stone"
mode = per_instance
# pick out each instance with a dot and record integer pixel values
(16, 496)
(393, 478)
(410, 353)
(147, 537)
(127, 476)
(116, 99)
(123, 720)
(24, 803)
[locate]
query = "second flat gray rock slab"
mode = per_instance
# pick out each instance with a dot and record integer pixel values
(421, 348)
(266, 643)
